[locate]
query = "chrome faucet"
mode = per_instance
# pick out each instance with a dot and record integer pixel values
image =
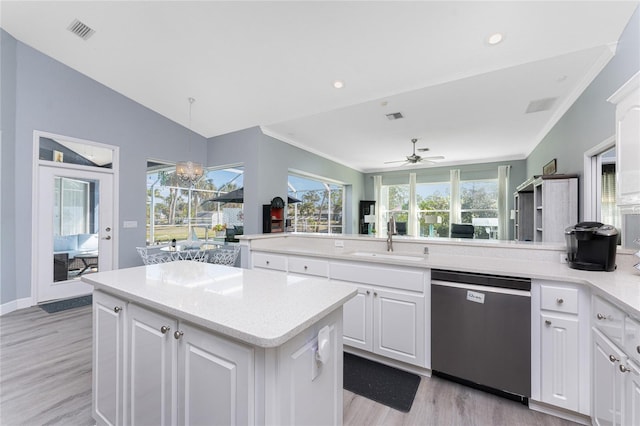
(391, 229)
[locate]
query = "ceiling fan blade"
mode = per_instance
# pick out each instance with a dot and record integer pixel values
(399, 161)
(437, 157)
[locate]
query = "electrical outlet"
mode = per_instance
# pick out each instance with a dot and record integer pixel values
(339, 243)
(563, 258)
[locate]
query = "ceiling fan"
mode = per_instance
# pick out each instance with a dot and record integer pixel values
(414, 158)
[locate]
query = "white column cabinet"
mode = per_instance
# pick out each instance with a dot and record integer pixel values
(559, 349)
(109, 315)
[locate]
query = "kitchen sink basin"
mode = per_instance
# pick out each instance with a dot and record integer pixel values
(390, 256)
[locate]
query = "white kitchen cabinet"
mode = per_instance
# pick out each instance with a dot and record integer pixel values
(207, 375)
(388, 316)
(275, 262)
(559, 349)
(632, 394)
(109, 315)
(152, 369)
(607, 382)
(627, 101)
(560, 360)
(215, 379)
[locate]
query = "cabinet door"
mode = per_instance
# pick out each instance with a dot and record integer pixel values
(606, 407)
(628, 146)
(398, 326)
(559, 359)
(152, 367)
(108, 359)
(215, 379)
(632, 393)
(358, 320)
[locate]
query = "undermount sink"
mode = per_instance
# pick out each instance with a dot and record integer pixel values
(388, 256)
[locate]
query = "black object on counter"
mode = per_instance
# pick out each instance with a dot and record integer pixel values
(591, 246)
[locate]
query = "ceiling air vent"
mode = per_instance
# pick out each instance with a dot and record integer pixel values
(540, 105)
(81, 30)
(395, 116)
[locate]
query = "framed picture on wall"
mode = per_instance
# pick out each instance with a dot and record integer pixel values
(550, 168)
(58, 156)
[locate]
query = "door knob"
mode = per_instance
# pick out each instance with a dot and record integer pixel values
(178, 334)
(624, 369)
(613, 358)
(560, 301)
(164, 329)
(547, 322)
(117, 309)
(600, 316)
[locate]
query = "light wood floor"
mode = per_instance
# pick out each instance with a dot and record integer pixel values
(45, 379)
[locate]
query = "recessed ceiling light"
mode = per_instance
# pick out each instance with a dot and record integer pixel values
(338, 84)
(495, 38)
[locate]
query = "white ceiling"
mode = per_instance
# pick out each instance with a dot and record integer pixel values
(272, 64)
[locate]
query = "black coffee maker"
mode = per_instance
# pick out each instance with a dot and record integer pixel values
(591, 246)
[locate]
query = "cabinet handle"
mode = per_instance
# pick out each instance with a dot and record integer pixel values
(117, 309)
(178, 334)
(600, 316)
(638, 349)
(624, 369)
(613, 358)
(164, 329)
(547, 322)
(560, 301)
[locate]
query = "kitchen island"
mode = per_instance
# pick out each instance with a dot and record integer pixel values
(195, 343)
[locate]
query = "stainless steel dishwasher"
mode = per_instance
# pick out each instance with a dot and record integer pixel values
(481, 331)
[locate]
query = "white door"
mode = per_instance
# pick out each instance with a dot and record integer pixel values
(607, 404)
(358, 320)
(74, 234)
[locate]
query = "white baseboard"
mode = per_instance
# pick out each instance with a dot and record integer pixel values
(560, 412)
(14, 305)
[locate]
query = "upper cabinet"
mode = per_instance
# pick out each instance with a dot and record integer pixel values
(627, 101)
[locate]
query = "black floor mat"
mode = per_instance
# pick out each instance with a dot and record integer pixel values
(381, 383)
(62, 305)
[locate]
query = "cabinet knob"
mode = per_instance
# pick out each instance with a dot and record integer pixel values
(600, 316)
(305, 267)
(624, 369)
(267, 262)
(560, 301)
(117, 309)
(368, 293)
(164, 329)
(638, 349)
(178, 334)
(375, 294)
(547, 322)
(612, 358)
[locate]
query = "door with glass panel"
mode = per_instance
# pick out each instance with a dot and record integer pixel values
(74, 230)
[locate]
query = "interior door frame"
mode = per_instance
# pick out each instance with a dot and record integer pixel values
(592, 179)
(35, 205)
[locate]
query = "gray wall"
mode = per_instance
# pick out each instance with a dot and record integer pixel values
(267, 164)
(441, 174)
(52, 97)
(591, 119)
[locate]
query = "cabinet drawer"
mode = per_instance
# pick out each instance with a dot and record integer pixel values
(560, 299)
(399, 278)
(632, 338)
(608, 319)
(308, 266)
(269, 261)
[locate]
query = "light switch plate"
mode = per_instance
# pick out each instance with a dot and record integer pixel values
(339, 243)
(130, 224)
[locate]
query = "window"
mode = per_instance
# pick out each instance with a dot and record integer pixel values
(434, 201)
(176, 211)
(315, 205)
(71, 207)
(479, 206)
(395, 202)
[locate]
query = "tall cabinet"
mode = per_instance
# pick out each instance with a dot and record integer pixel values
(366, 210)
(544, 207)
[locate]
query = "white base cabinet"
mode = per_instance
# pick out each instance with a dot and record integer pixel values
(150, 368)
(616, 374)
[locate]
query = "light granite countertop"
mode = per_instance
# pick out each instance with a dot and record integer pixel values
(621, 286)
(261, 308)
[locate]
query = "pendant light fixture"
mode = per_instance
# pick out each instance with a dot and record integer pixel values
(188, 171)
